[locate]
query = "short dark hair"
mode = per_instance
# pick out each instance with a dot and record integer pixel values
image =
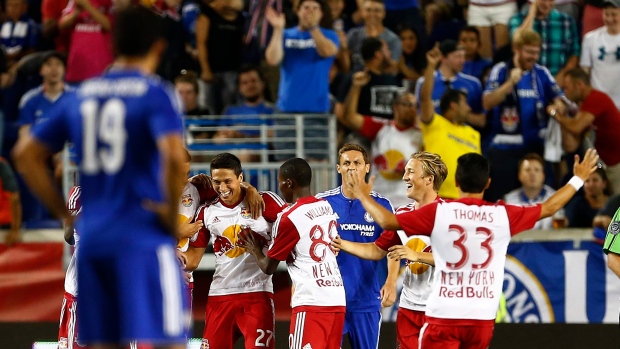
(356, 147)
(470, 29)
(188, 77)
(369, 47)
(135, 31)
(578, 74)
(450, 96)
(603, 174)
(226, 161)
(250, 68)
(531, 157)
(297, 169)
(472, 173)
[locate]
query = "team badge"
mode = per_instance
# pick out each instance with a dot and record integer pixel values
(187, 200)
(614, 228)
(63, 343)
(205, 344)
(368, 217)
(245, 213)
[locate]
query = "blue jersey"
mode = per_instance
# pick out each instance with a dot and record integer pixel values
(359, 275)
(34, 105)
(463, 82)
(114, 122)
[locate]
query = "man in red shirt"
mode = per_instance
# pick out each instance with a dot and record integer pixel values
(597, 113)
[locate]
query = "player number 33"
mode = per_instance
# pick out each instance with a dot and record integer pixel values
(104, 137)
(459, 243)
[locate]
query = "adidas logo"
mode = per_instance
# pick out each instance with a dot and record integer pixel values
(215, 220)
(307, 346)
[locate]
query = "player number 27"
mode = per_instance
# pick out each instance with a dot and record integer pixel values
(104, 136)
(459, 243)
(264, 338)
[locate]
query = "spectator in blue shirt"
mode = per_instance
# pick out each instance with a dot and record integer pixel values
(475, 65)
(252, 89)
(19, 35)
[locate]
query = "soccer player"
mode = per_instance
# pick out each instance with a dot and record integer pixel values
(469, 238)
(127, 132)
(364, 296)
(240, 298)
(424, 174)
(301, 237)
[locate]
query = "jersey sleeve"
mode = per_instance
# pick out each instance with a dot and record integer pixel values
(26, 112)
(273, 205)
(612, 243)
(74, 202)
(522, 217)
(55, 130)
(495, 79)
(201, 239)
(285, 237)
(166, 116)
(418, 222)
(552, 89)
(189, 201)
(371, 127)
(388, 239)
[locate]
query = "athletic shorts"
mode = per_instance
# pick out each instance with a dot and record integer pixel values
(316, 329)
(489, 16)
(434, 336)
(132, 294)
(251, 315)
(408, 326)
(363, 329)
(67, 333)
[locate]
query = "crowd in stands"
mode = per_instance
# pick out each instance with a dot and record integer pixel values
(528, 84)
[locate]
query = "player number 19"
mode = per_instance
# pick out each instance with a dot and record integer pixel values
(103, 125)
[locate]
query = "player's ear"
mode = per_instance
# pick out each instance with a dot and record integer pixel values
(367, 168)
(241, 177)
(338, 168)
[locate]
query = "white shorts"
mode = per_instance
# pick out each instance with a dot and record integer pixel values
(490, 15)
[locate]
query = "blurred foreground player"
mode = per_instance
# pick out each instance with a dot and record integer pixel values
(127, 132)
(469, 237)
(301, 237)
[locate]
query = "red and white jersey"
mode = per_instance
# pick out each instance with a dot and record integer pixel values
(188, 206)
(74, 206)
(391, 149)
(469, 238)
(302, 237)
(236, 270)
(418, 278)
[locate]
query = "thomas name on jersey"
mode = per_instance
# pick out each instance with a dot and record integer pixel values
(473, 215)
(474, 284)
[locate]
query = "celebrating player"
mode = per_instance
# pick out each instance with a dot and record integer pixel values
(240, 298)
(424, 174)
(469, 238)
(301, 237)
(127, 132)
(364, 297)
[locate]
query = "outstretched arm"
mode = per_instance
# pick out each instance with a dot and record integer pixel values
(368, 251)
(361, 190)
(403, 252)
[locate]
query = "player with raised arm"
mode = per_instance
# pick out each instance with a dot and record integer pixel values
(469, 238)
(240, 298)
(127, 134)
(365, 296)
(301, 237)
(424, 174)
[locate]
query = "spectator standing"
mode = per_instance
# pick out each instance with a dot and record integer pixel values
(598, 114)
(413, 60)
(90, 51)
(374, 14)
(447, 134)
(516, 95)
(475, 65)
(560, 39)
(533, 188)
(306, 53)
(491, 18)
(600, 53)
(449, 76)
(583, 207)
(19, 35)
(219, 34)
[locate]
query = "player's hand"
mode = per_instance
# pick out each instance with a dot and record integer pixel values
(12, 237)
(277, 20)
(515, 75)
(181, 258)
(249, 241)
(360, 78)
(586, 167)
(355, 181)
(402, 252)
(187, 229)
(253, 199)
(388, 295)
(201, 181)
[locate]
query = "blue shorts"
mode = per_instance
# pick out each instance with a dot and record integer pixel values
(131, 294)
(363, 329)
